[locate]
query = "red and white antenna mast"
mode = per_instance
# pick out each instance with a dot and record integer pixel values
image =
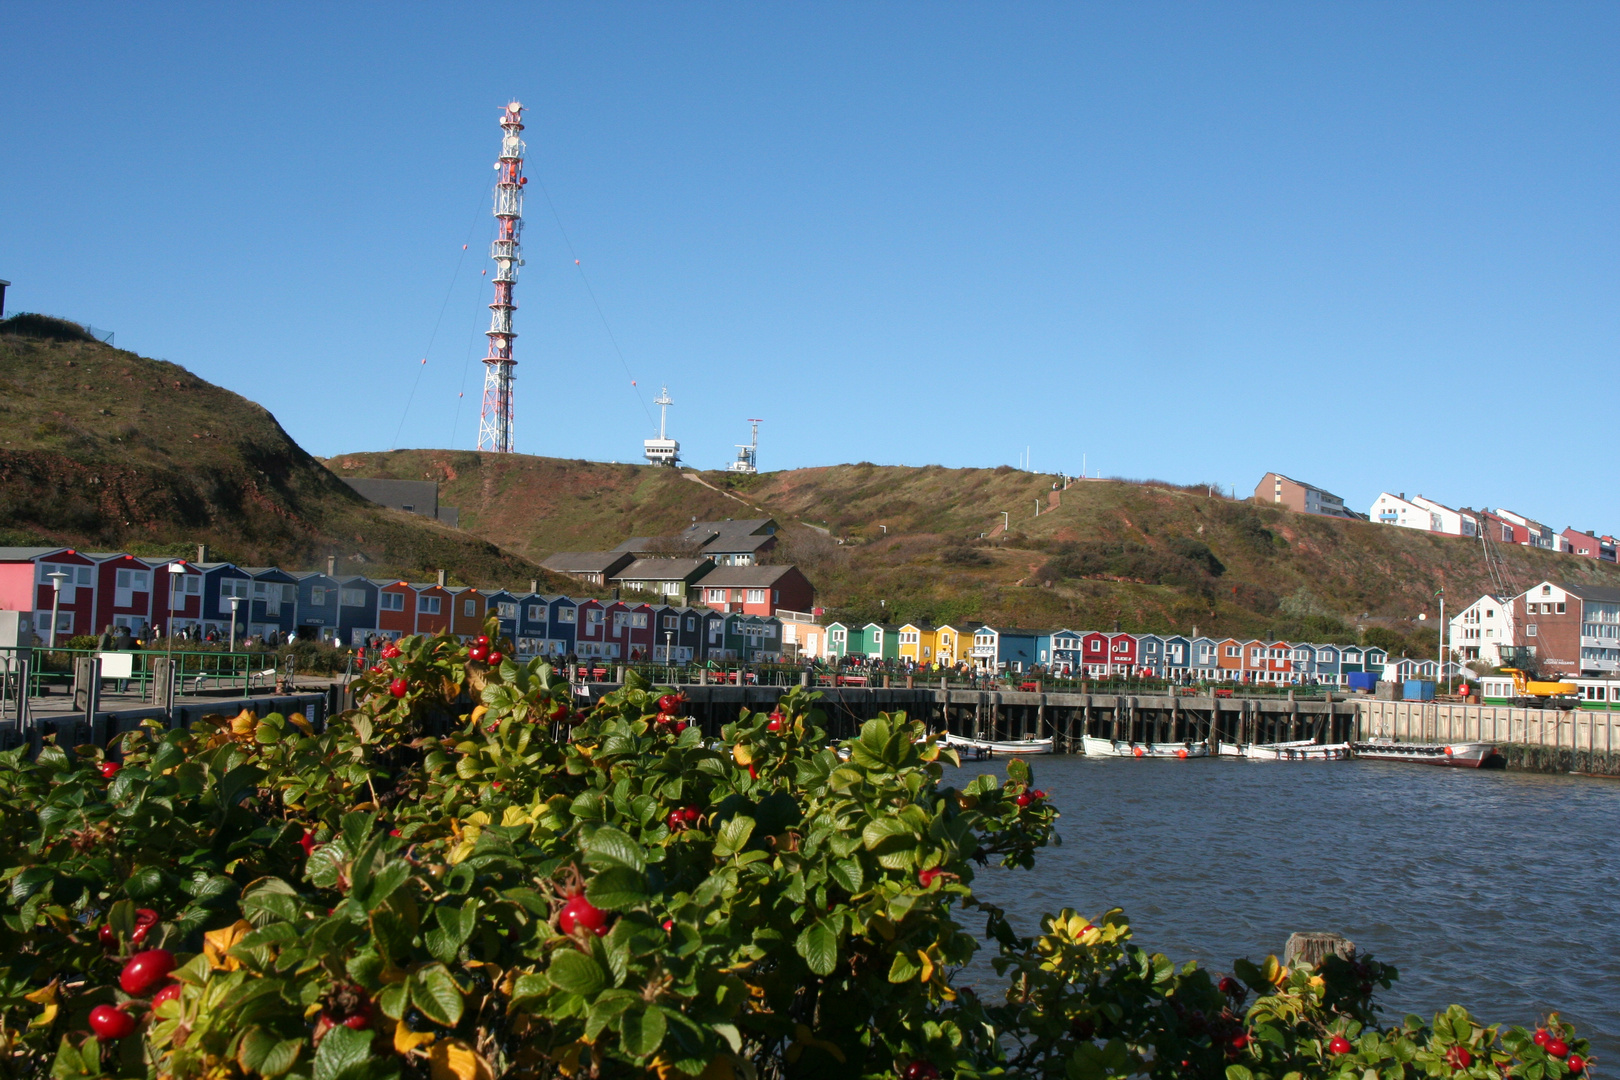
(495, 422)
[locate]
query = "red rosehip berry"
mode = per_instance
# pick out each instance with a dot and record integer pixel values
(1231, 987)
(1023, 799)
(495, 658)
(377, 669)
(399, 688)
(669, 926)
(107, 936)
(1576, 1063)
(477, 652)
(580, 914)
(111, 1024)
(108, 769)
(1540, 1038)
(168, 993)
(1556, 1047)
(1338, 1045)
(145, 971)
(920, 1070)
(691, 814)
(676, 821)
(390, 651)
(925, 878)
(394, 832)
(145, 919)
(671, 703)
(1241, 1039)
(774, 724)
(481, 639)
(680, 726)
(307, 842)
(1458, 1057)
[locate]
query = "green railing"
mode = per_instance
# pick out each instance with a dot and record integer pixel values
(195, 671)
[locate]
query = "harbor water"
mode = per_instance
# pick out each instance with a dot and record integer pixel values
(1495, 890)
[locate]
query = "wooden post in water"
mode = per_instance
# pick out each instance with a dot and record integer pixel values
(1213, 736)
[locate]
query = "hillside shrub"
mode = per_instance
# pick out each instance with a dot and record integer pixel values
(522, 890)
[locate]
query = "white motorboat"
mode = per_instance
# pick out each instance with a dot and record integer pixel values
(1095, 747)
(979, 749)
(1288, 751)
(1462, 755)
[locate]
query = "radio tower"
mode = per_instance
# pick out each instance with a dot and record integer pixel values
(495, 422)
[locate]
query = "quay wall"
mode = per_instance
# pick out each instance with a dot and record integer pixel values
(1534, 740)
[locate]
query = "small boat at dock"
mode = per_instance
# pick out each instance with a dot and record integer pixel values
(980, 749)
(1462, 755)
(1095, 747)
(1305, 750)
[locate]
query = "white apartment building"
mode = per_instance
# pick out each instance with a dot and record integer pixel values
(1421, 513)
(1480, 630)
(1540, 535)
(1443, 519)
(1397, 510)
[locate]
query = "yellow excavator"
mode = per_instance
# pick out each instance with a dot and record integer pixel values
(1533, 693)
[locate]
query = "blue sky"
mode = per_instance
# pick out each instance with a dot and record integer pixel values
(1372, 246)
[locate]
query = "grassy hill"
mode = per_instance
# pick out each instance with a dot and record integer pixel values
(926, 543)
(106, 450)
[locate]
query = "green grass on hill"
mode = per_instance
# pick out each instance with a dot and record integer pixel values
(103, 449)
(899, 544)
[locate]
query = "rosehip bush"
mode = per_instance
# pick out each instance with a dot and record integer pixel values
(466, 877)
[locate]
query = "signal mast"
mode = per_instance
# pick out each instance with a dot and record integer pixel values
(495, 421)
(747, 453)
(662, 450)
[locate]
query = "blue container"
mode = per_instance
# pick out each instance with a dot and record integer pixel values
(1419, 690)
(1366, 681)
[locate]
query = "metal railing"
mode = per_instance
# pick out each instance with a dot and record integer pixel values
(195, 671)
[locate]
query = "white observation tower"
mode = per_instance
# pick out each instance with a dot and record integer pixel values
(663, 450)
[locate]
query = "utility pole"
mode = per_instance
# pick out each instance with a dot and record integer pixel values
(495, 420)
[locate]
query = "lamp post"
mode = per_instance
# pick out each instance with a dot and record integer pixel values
(669, 653)
(1443, 678)
(175, 570)
(57, 577)
(236, 602)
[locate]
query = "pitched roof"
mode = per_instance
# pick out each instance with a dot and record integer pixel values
(661, 569)
(583, 562)
(742, 577)
(26, 554)
(1598, 594)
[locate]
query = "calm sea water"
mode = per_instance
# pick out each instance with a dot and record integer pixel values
(1499, 891)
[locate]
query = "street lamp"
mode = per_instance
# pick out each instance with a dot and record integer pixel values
(1442, 671)
(175, 570)
(236, 602)
(57, 577)
(669, 654)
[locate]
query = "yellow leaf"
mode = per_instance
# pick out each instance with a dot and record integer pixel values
(245, 723)
(1273, 972)
(1317, 982)
(927, 967)
(217, 943)
(478, 817)
(567, 1058)
(515, 815)
(406, 1040)
(478, 713)
(455, 1060)
(46, 1017)
(45, 995)
(297, 720)
(741, 755)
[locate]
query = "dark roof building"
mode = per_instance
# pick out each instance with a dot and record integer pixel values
(595, 567)
(666, 577)
(728, 543)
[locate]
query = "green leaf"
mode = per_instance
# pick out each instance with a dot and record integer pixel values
(608, 846)
(616, 888)
(733, 836)
(819, 947)
(340, 1049)
(575, 972)
(385, 881)
(1238, 1072)
(848, 873)
(642, 1031)
(904, 969)
(434, 992)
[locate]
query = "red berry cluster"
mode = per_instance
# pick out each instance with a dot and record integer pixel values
(1558, 1048)
(669, 707)
(1029, 797)
(775, 722)
(920, 1070)
(579, 914)
(144, 972)
(482, 652)
(683, 818)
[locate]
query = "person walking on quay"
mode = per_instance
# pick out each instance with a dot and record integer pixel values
(104, 643)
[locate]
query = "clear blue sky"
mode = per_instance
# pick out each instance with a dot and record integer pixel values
(1368, 245)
